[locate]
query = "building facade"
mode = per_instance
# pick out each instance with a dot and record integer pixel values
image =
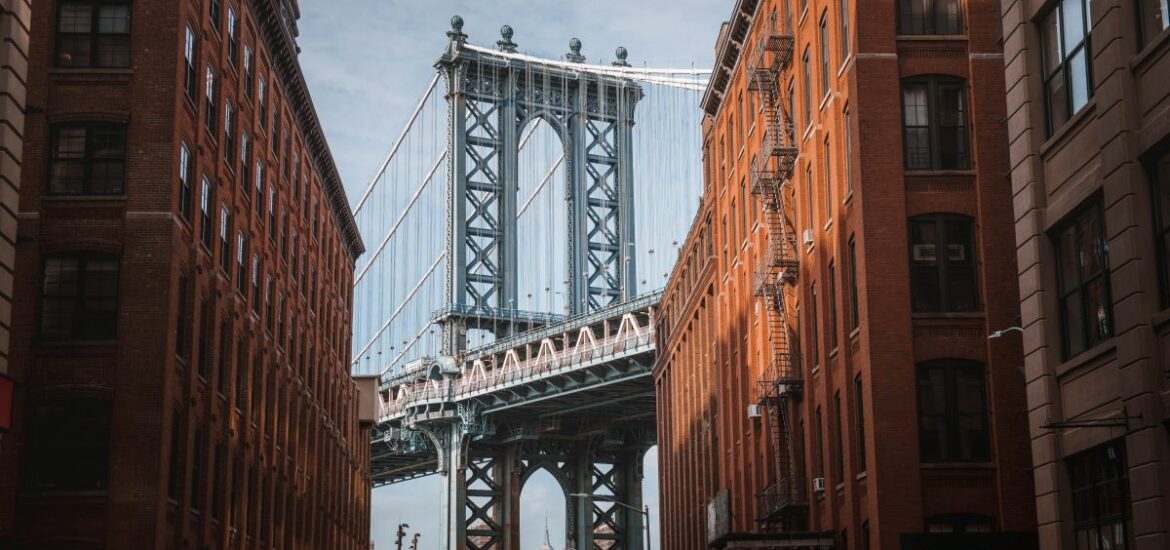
(1089, 132)
(14, 21)
(827, 374)
(182, 303)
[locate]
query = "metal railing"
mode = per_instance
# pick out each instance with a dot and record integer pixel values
(781, 498)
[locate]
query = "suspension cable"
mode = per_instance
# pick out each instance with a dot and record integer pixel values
(393, 150)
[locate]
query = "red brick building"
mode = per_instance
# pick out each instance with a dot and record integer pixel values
(825, 365)
(182, 294)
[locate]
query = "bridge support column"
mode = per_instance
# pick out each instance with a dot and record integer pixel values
(450, 443)
(608, 478)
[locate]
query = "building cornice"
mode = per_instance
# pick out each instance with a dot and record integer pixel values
(728, 52)
(282, 45)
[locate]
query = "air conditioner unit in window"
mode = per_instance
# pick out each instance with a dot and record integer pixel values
(753, 410)
(808, 237)
(819, 484)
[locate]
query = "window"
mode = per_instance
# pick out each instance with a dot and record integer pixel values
(260, 190)
(203, 339)
(839, 457)
(185, 181)
(249, 75)
(80, 296)
(225, 232)
(217, 482)
(245, 165)
(268, 312)
(848, 152)
(88, 159)
(209, 95)
(190, 52)
(1082, 257)
(843, 20)
(859, 403)
(272, 213)
(1068, 73)
(229, 138)
(807, 90)
(930, 17)
(241, 254)
(181, 348)
(825, 54)
(1102, 509)
(832, 326)
(233, 33)
(934, 125)
(93, 33)
(827, 180)
(854, 306)
(1153, 18)
(942, 264)
(1159, 171)
(952, 412)
(214, 13)
(69, 445)
(815, 340)
(818, 446)
(262, 102)
(205, 227)
(241, 373)
(255, 283)
(197, 446)
(808, 196)
(175, 469)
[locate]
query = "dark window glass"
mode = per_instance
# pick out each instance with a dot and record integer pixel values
(204, 338)
(859, 402)
(839, 458)
(952, 412)
(206, 229)
(1159, 171)
(185, 176)
(211, 115)
(229, 136)
(233, 36)
(934, 124)
(930, 17)
(241, 263)
(815, 339)
(93, 33)
(214, 13)
(182, 318)
(1153, 18)
(175, 469)
(1086, 306)
(832, 325)
(224, 360)
(80, 297)
(1068, 74)
(249, 74)
(217, 482)
(225, 236)
(1102, 509)
(190, 61)
(69, 445)
(854, 306)
(942, 264)
(825, 70)
(87, 159)
(198, 446)
(807, 89)
(245, 166)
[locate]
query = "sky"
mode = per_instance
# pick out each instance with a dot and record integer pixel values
(367, 63)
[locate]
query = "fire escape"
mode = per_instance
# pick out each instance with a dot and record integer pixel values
(785, 502)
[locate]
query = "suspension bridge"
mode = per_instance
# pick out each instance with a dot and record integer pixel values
(522, 224)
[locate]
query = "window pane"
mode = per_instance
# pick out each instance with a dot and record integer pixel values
(70, 143)
(932, 419)
(114, 20)
(75, 18)
(1078, 76)
(1091, 246)
(1058, 110)
(1073, 22)
(1050, 36)
(113, 51)
(911, 16)
(1098, 310)
(1074, 324)
(1153, 14)
(947, 17)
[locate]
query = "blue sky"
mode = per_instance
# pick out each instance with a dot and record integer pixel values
(367, 63)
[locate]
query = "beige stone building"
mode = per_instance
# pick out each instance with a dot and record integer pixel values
(14, 21)
(1089, 136)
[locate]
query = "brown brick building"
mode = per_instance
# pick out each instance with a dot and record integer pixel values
(1089, 130)
(825, 364)
(182, 308)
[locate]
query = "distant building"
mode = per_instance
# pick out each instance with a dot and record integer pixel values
(1088, 93)
(182, 297)
(825, 377)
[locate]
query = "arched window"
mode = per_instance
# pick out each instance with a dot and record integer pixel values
(942, 263)
(934, 123)
(952, 412)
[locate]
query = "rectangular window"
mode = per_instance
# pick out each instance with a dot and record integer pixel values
(845, 38)
(241, 262)
(825, 54)
(808, 196)
(260, 189)
(942, 264)
(69, 445)
(934, 124)
(839, 458)
(854, 305)
(1082, 255)
(815, 338)
(217, 482)
(213, 13)
(175, 469)
(197, 480)
(87, 159)
(848, 152)
(1153, 18)
(255, 283)
(205, 227)
(79, 297)
(245, 164)
(229, 137)
(181, 319)
(272, 213)
(93, 33)
(807, 89)
(818, 446)
(225, 232)
(930, 17)
(952, 412)
(1102, 510)
(262, 101)
(249, 75)
(185, 176)
(1159, 172)
(268, 303)
(827, 180)
(832, 326)
(209, 96)
(1068, 68)
(203, 339)
(233, 36)
(241, 373)
(859, 403)
(190, 55)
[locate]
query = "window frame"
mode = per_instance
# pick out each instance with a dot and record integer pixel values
(943, 263)
(1098, 460)
(1160, 216)
(1075, 222)
(191, 62)
(80, 409)
(82, 297)
(1061, 69)
(88, 160)
(951, 416)
(930, 17)
(93, 34)
(935, 85)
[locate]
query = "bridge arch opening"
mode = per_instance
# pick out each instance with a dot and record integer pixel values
(542, 499)
(542, 218)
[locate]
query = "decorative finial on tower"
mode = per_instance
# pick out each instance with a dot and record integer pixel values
(574, 54)
(621, 54)
(506, 44)
(456, 32)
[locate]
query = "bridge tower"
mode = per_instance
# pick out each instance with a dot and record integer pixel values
(492, 96)
(491, 99)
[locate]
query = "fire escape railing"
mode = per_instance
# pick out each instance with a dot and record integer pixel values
(785, 501)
